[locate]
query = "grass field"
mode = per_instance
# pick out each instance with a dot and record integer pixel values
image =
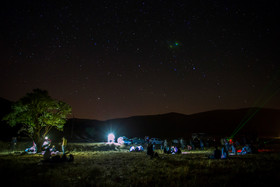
(122, 168)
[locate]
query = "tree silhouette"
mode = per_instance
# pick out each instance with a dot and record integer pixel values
(38, 113)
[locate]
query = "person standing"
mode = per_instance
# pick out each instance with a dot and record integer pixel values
(201, 144)
(64, 144)
(13, 143)
(182, 143)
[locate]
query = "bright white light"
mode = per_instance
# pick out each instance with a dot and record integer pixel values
(111, 138)
(120, 140)
(46, 138)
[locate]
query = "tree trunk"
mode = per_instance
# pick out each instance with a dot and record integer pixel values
(39, 142)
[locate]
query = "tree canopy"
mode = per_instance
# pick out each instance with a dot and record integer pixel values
(38, 113)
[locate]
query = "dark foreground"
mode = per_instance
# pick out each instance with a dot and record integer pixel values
(112, 168)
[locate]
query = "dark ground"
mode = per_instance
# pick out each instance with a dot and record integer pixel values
(122, 168)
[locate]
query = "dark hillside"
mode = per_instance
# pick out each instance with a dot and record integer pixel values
(264, 122)
(173, 125)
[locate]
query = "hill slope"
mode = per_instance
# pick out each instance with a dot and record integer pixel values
(265, 122)
(173, 125)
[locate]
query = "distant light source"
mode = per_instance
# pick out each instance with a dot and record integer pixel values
(111, 138)
(120, 140)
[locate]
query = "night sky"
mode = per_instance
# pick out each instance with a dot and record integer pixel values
(115, 58)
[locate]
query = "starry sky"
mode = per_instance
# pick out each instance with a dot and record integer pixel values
(111, 59)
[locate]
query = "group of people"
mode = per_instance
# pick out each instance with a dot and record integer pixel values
(192, 145)
(136, 149)
(48, 157)
(49, 152)
(172, 150)
(150, 151)
(230, 148)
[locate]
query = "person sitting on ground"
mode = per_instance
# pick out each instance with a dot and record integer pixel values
(150, 151)
(131, 149)
(224, 153)
(172, 150)
(217, 154)
(47, 155)
(179, 151)
(32, 149)
(249, 149)
(68, 159)
(233, 150)
(71, 158)
(165, 149)
(53, 149)
(156, 155)
(57, 158)
(139, 148)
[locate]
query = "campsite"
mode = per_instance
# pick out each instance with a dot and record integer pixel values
(98, 161)
(139, 93)
(101, 164)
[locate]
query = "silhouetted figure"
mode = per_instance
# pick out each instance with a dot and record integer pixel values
(196, 142)
(165, 143)
(156, 155)
(71, 158)
(224, 153)
(179, 151)
(167, 150)
(227, 145)
(217, 153)
(233, 150)
(150, 150)
(201, 144)
(13, 143)
(57, 158)
(192, 145)
(182, 143)
(47, 155)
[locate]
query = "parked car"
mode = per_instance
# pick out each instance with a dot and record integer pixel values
(137, 141)
(124, 140)
(155, 141)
